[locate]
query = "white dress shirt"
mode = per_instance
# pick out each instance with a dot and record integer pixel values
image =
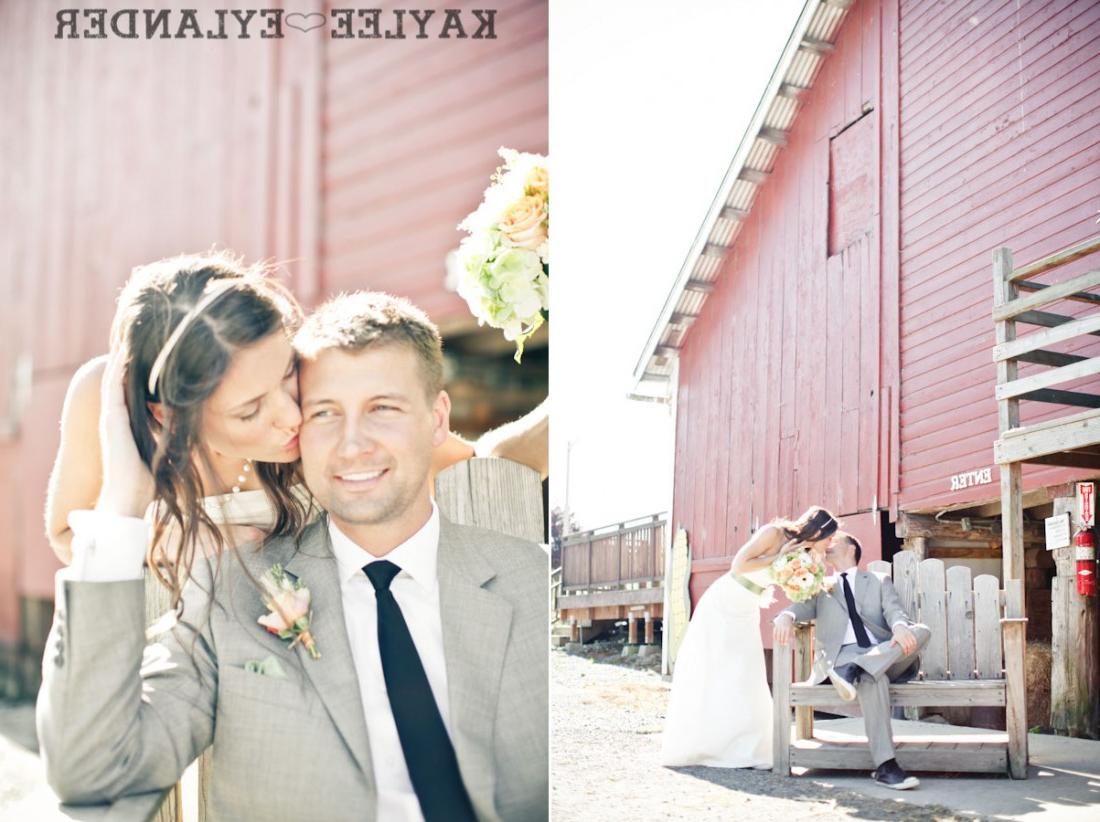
(416, 589)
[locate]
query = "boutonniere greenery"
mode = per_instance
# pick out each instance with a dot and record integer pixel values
(287, 600)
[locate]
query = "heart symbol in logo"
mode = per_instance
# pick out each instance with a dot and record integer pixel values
(309, 22)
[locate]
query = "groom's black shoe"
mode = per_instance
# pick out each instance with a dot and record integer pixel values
(890, 775)
(844, 686)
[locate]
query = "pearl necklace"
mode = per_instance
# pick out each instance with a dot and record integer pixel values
(242, 476)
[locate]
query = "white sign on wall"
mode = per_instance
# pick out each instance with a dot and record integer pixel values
(983, 476)
(1086, 503)
(1057, 531)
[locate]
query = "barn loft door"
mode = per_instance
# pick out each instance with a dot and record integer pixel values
(851, 321)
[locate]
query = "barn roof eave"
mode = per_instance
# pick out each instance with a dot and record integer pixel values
(812, 38)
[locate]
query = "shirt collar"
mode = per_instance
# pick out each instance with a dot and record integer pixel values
(851, 571)
(416, 556)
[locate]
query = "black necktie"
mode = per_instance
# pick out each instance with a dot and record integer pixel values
(429, 755)
(862, 639)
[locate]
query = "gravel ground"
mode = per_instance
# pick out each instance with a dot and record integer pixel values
(21, 772)
(606, 724)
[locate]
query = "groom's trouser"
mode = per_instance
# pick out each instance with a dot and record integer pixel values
(874, 669)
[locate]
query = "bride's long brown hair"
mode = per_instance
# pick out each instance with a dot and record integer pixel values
(816, 523)
(151, 307)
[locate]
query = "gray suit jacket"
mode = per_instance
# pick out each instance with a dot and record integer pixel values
(293, 748)
(878, 605)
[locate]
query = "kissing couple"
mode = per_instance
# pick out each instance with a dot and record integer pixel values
(364, 659)
(720, 708)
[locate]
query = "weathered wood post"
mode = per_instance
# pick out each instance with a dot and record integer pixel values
(803, 662)
(1075, 669)
(1012, 520)
(781, 694)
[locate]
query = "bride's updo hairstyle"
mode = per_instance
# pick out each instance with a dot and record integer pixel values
(180, 320)
(815, 524)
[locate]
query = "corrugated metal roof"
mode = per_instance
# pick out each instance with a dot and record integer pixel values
(810, 42)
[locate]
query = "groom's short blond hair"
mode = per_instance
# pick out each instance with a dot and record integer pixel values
(367, 319)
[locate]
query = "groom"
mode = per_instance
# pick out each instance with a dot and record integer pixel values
(864, 641)
(429, 699)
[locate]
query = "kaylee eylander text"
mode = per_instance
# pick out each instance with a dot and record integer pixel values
(243, 24)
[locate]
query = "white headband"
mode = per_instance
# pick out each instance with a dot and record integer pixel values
(213, 292)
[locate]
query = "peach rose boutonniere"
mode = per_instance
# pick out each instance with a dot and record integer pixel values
(502, 267)
(287, 599)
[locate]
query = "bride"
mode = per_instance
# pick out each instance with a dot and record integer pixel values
(720, 709)
(211, 399)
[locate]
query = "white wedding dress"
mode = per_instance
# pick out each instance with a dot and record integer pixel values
(720, 709)
(252, 507)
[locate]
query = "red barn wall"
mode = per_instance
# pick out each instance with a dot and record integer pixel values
(349, 161)
(410, 138)
(780, 378)
(987, 135)
(1000, 145)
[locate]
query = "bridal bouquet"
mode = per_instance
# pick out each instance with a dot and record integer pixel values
(799, 573)
(504, 263)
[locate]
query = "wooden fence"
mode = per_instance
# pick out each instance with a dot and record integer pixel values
(614, 556)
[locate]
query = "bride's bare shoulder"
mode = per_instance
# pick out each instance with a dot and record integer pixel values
(768, 535)
(84, 386)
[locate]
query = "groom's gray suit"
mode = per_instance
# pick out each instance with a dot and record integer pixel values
(293, 748)
(873, 668)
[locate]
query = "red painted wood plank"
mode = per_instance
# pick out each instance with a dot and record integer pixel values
(987, 138)
(870, 341)
(1052, 226)
(363, 148)
(1064, 156)
(996, 44)
(929, 23)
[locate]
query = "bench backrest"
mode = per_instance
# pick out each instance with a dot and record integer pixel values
(963, 614)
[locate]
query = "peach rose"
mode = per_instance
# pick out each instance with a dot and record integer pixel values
(538, 182)
(287, 607)
(524, 223)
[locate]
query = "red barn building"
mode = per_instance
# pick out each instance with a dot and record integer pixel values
(349, 161)
(829, 338)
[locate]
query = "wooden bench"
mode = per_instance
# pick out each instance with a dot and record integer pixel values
(974, 657)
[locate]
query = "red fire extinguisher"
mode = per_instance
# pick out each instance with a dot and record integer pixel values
(1085, 547)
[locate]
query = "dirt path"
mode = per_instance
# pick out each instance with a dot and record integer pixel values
(606, 723)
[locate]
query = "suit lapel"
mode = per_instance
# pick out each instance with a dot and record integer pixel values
(476, 626)
(831, 621)
(333, 675)
(837, 594)
(868, 602)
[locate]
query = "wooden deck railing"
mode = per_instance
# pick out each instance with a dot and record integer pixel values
(615, 555)
(1070, 440)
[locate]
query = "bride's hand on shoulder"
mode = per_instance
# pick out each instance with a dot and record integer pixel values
(788, 547)
(128, 486)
